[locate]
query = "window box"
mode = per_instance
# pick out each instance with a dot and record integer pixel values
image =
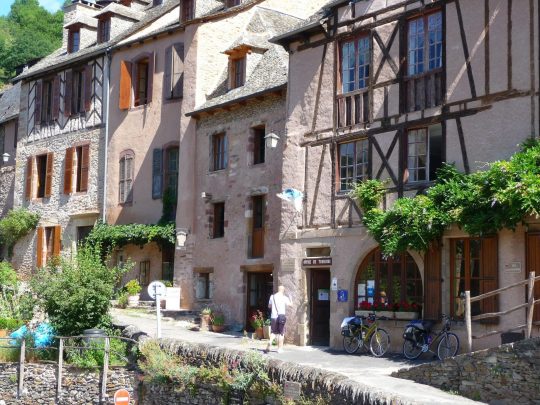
(406, 315)
(384, 314)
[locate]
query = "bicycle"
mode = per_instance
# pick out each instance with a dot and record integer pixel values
(418, 339)
(355, 333)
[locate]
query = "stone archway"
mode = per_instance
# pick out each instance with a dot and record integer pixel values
(390, 280)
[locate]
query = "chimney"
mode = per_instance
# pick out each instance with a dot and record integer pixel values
(76, 9)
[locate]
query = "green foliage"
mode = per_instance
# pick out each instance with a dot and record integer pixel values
(15, 302)
(107, 237)
(133, 287)
(218, 319)
(93, 356)
(8, 276)
(8, 355)
(10, 324)
(15, 225)
(169, 206)
(76, 294)
(123, 300)
(481, 203)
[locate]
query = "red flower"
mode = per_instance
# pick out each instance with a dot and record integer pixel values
(365, 306)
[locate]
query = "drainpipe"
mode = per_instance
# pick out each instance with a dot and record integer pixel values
(108, 58)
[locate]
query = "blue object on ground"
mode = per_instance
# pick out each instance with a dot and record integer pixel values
(43, 336)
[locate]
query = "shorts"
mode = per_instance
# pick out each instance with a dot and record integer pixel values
(277, 328)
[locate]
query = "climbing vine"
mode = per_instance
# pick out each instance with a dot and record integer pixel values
(15, 225)
(481, 203)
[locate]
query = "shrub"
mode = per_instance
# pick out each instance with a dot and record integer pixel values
(76, 295)
(15, 225)
(93, 356)
(123, 300)
(8, 276)
(133, 287)
(10, 324)
(218, 319)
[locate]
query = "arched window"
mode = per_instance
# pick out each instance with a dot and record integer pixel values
(388, 280)
(125, 186)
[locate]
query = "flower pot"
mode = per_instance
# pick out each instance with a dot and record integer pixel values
(260, 333)
(267, 329)
(205, 322)
(406, 315)
(385, 314)
(133, 300)
(218, 328)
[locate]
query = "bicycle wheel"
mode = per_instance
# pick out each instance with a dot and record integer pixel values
(411, 349)
(351, 344)
(448, 346)
(379, 343)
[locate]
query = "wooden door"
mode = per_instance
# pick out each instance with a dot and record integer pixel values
(533, 264)
(320, 307)
(259, 289)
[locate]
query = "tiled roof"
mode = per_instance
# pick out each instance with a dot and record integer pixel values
(121, 10)
(10, 102)
(83, 20)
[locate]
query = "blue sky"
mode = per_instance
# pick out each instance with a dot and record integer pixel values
(51, 5)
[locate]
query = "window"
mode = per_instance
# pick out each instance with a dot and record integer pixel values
(47, 101)
(165, 171)
(187, 11)
(157, 2)
(353, 163)
(141, 85)
(173, 86)
(218, 225)
(355, 64)
(473, 267)
(424, 153)
(388, 280)
(125, 187)
(425, 44)
(232, 3)
(104, 30)
(39, 181)
(74, 40)
(76, 167)
(171, 170)
(257, 226)
(237, 72)
(144, 272)
(205, 286)
(48, 244)
(167, 271)
(82, 233)
(218, 152)
(259, 145)
(77, 92)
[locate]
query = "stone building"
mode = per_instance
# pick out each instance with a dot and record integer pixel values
(390, 90)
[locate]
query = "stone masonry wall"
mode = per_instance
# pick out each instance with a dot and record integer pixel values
(506, 374)
(7, 177)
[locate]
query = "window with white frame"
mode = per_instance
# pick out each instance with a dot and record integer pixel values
(424, 153)
(355, 64)
(353, 163)
(425, 43)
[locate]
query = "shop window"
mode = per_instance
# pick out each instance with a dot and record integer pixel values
(424, 154)
(353, 163)
(218, 153)
(259, 145)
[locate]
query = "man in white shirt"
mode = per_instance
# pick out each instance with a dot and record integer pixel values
(278, 303)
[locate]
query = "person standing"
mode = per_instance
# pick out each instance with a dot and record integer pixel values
(278, 303)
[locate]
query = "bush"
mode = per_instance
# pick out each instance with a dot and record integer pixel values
(133, 287)
(16, 224)
(123, 300)
(10, 324)
(76, 295)
(8, 276)
(93, 356)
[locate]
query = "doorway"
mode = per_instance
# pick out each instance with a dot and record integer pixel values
(319, 329)
(260, 288)
(533, 264)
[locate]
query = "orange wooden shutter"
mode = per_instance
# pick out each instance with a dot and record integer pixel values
(125, 85)
(39, 249)
(57, 240)
(49, 174)
(68, 92)
(29, 177)
(533, 264)
(68, 171)
(490, 273)
(85, 162)
(432, 285)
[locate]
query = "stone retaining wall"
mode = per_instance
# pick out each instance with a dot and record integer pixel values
(506, 374)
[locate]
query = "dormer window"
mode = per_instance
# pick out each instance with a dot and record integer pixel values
(126, 3)
(232, 3)
(188, 10)
(237, 76)
(157, 2)
(74, 40)
(104, 30)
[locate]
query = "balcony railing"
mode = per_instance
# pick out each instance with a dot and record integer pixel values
(423, 91)
(353, 108)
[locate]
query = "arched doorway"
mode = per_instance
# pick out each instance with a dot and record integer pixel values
(389, 280)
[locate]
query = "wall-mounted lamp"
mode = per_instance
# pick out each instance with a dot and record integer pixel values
(206, 196)
(271, 140)
(5, 157)
(181, 238)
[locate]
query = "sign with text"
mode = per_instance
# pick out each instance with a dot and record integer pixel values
(121, 397)
(292, 390)
(317, 261)
(343, 295)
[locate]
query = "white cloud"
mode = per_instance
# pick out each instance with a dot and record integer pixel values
(51, 5)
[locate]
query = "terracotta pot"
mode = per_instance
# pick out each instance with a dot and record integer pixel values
(260, 333)
(218, 328)
(205, 322)
(133, 300)
(267, 329)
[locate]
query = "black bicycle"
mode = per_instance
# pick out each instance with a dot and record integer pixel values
(418, 339)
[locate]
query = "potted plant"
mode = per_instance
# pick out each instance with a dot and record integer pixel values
(206, 313)
(407, 311)
(133, 289)
(364, 308)
(257, 323)
(218, 322)
(267, 329)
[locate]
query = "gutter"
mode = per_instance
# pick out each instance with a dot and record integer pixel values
(108, 58)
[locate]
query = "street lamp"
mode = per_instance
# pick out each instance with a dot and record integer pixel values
(5, 157)
(271, 140)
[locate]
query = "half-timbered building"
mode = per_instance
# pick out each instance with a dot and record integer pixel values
(390, 90)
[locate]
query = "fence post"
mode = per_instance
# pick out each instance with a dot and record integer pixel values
(21, 369)
(103, 393)
(468, 320)
(59, 374)
(530, 311)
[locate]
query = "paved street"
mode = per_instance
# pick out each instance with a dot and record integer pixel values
(366, 369)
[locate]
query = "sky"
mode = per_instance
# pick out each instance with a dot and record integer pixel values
(51, 5)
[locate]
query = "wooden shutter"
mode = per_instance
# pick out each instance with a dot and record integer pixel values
(85, 163)
(178, 71)
(533, 264)
(490, 273)
(29, 177)
(88, 87)
(432, 284)
(39, 249)
(151, 67)
(157, 173)
(37, 102)
(122, 180)
(57, 240)
(56, 98)
(49, 174)
(68, 171)
(167, 75)
(125, 85)
(68, 93)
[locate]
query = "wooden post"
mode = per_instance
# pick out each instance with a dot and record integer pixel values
(530, 308)
(103, 393)
(59, 373)
(468, 320)
(21, 369)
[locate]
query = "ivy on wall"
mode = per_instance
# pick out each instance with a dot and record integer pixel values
(15, 225)
(480, 203)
